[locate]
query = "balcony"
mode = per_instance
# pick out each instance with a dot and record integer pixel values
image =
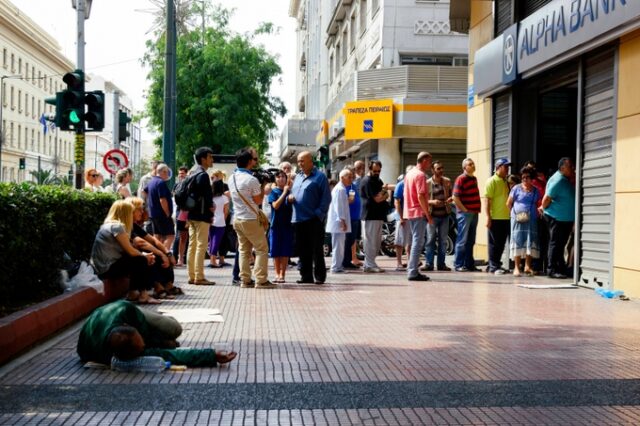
(412, 81)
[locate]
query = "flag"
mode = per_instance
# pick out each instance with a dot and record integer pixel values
(43, 121)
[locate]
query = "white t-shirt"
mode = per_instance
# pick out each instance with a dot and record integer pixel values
(218, 217)
(249, 187)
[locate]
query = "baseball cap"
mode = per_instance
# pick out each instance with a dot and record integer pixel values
(502, 162)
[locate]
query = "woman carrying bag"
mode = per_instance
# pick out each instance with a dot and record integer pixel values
(523, 202)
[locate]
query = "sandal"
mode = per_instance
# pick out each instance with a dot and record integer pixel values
(175, 291)
(224, 357)
(529, 273)
(149, 301)
(516, 273)
(163, 295)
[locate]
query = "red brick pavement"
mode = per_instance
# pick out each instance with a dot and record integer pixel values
(379, 328)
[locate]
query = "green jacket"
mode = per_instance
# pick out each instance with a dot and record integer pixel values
(92, 343)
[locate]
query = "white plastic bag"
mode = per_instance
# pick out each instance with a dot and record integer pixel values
(85, 277)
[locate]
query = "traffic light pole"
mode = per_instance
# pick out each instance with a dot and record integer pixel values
(80, 139)
(116, 119)
(169, 115)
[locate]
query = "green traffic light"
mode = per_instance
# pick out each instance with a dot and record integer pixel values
(73, 117)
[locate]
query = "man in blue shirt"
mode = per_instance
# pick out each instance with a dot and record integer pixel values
(355, 206)
(310, 197)
(558, 206)
(160, 203)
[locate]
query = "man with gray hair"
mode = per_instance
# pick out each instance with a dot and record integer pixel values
(160, 205)
(339, 220)
(466, 197)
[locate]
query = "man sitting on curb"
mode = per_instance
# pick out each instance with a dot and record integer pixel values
(123, 330)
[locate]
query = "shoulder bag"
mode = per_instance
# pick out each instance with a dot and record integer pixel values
(263, 220)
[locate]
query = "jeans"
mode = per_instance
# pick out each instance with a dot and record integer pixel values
(372, 239)
(337, 253)
(418, 227)
(437, 231)
(467, 224)
(498, 234)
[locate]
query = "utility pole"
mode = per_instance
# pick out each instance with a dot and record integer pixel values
(80, 138)
(169, 114)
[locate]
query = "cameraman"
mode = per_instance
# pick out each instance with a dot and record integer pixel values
(247, 195)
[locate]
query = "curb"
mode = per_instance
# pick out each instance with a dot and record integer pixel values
(23, 329)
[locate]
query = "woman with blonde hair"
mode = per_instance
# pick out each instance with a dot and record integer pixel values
(113, 256)
(123, 177)
(91, 180)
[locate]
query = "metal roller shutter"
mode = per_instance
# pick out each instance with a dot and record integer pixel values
(531, 6)
(502, 125)
(503, 15)
(596, 170)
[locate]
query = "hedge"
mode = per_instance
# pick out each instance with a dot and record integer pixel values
(38, 224)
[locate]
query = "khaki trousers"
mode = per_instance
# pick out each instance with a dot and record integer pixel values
(198, 237)
(252, 236)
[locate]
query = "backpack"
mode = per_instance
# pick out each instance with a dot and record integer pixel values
(183, 192)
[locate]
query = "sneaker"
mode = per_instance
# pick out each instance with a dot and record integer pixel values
(444, 268)
(401, 268)
(558, 275)
(499, 271)
(419, 277)
(266, 284)
(427, 268)
(462, 269)
(338, 271)
(373, 270)
(236, 282)
(250, 284)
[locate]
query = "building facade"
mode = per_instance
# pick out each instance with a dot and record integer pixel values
(553, 79)
(356, 53)
(31, 70)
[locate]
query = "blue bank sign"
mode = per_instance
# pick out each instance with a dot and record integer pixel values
(563, 25)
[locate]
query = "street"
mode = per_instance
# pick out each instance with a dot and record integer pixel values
(368, 349)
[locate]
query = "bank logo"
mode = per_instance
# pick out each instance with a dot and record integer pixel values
(368, 126)
(509, 54)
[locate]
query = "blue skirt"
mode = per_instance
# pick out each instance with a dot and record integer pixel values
(281, 242)
(524, 238)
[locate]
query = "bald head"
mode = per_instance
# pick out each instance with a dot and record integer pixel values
(305, 162)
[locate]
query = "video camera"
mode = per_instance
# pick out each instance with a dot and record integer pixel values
(265, 175)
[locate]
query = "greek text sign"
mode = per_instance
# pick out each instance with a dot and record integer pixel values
(369, 119)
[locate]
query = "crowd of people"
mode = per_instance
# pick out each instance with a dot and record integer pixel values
(288, 216)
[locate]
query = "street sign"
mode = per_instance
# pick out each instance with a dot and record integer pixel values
(115, 160)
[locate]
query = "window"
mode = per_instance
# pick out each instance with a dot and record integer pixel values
(11, 99)
(19, 100)
(4, 95)
(33, 139)
(11, 135)
(39, 146)
(20, 66)
(363, 16)
(19, 138)
(13, 63)
(337, 59)
(4, 58)
(460, 62)
(33, 107)
(45, 83)
(345, 50)
(331, 69)
(352, 32)
(39, 78)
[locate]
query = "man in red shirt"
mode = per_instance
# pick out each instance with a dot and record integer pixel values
(466, 196)
(415, 210)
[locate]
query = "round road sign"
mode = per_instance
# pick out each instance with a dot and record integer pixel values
(115, 160)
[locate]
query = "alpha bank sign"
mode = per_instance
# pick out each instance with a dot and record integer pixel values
(555, 31)
(565, 24)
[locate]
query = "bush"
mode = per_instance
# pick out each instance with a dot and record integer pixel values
(38, 224)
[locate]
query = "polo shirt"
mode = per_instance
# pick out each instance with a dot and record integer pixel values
(415, 183)
(563, 198)
(497, 190)
(157, 189)
(370, 186)
(466, 188)
(312, 196)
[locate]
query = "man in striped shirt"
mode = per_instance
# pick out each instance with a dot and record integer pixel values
(466, 197)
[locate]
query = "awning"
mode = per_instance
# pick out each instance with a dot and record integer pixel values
(459, 14)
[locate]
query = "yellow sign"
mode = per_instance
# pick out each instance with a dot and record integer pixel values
(369, 119)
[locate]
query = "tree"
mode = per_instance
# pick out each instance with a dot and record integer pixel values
(223, 84)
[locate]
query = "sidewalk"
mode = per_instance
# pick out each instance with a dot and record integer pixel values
(374, 349)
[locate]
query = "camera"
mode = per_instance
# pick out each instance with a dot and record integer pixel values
(265, 175)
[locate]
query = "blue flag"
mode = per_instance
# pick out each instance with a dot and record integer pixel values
(43, 121)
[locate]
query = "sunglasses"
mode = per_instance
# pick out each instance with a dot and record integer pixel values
(255, 159)
(95, 176)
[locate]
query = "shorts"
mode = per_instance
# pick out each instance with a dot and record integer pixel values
(162, 226)
(403, 234)
(356, 229)
(181, 225)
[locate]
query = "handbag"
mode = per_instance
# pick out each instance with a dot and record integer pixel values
(524, 217)
(263, 220)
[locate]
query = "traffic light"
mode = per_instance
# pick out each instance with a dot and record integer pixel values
(58, 103)
(71, 110)
(95, 110)
(23, 163)
(123, 120)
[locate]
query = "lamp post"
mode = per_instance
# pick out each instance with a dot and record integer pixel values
(2, 78)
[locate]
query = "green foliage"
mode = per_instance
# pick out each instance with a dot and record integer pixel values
(223, 85)
(46, 177)
(38, 224)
